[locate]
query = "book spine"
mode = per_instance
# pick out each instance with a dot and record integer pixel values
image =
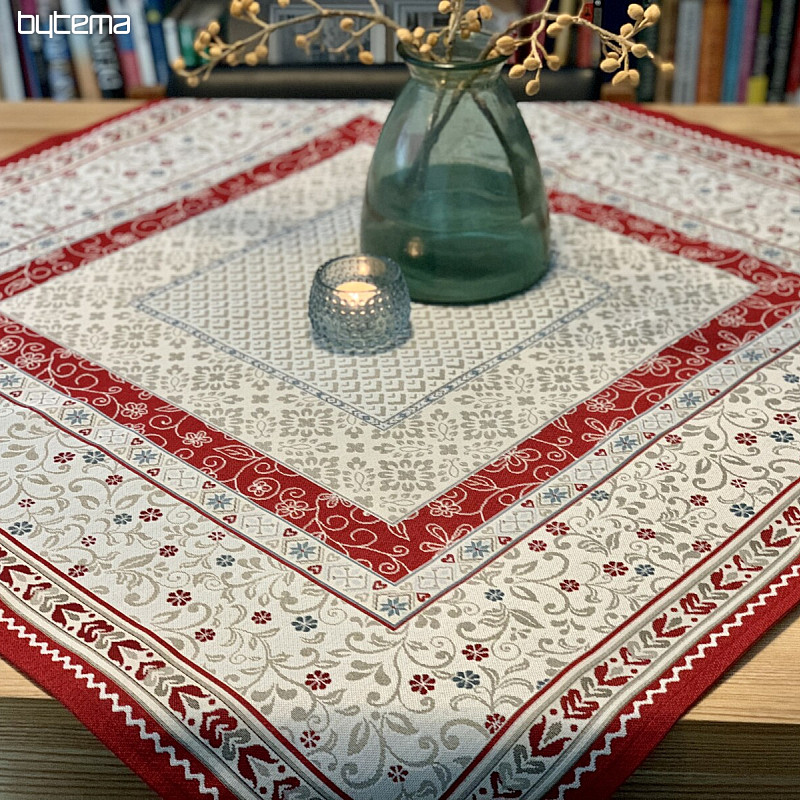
(749, 36)
(584, 39)
(55, 48)
(647, 70)
(171, 40)
(141, 42)
(85, 78)
(793, 75)
(10, 61)
(126, 50)
(154, 11)
(105, 60)
(564, 38)
(712, 46)
(666, 48)
(733, 46)
(781, 46)
(758, 82)
(186, 38)
(687, 51)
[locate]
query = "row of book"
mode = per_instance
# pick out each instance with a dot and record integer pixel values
(728, 51)
(724, 50)
(49, 49)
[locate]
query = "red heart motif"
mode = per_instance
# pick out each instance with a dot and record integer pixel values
(713, 392)
(503, 539)
(628, 659)
(766, 537)
(422, 597)
(315, 569)
(666, 407)
(230, 518)
(648, 435)
(528, 504)
(134, 442)
(660, 627)
(288, 533)
(16, 393)
(717, 581)
(692, 605)
(378, 585)
(153, 471)
(579, 487)
(575, 707)
(729, 361)
(449, 559)
(85, 431)
(209, 485)
(69, 402)
(601, 452)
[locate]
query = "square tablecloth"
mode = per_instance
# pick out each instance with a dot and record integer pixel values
(499, 561)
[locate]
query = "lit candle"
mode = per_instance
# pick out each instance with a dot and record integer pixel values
(356, 293)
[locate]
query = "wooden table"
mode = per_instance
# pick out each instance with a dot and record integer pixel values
(742, 740)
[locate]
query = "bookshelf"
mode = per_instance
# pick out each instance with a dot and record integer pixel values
(730, 51)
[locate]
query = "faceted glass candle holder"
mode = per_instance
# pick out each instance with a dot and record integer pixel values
(359, 304)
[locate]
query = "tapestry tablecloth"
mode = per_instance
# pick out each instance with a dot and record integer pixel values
(498, 562)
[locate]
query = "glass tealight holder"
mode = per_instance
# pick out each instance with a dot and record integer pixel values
(359, 304)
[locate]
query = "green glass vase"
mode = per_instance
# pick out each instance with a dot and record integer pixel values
(454, 192)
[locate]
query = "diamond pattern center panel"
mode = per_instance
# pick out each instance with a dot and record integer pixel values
(253, 306)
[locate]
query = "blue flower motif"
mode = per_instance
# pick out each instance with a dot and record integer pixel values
(77, 416)
(690, 399)
(791, 378)
(541, 683)
(302, 550)
(225, 560)
(752, 355)
(304, 624)
(143, 457)
(219, 502)
(476, 549)
(123, 519)
(393, 607)
(782, 436)
(599, 495)
(9, 381)
(20, 528)
(494, 595)
(467, 679)
(94, 457)
(625, 443)
(742, 510)
(645, 570)
(554, 495)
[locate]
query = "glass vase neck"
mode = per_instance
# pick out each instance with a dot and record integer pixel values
(464, 67)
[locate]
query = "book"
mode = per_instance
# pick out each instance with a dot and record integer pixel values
(105, 61)
(783, 21)
(666, 48)
(126, 50)
(712, 48)
(793, 75)
(647, 70)
(13, 82)
(141, 39)
(34, 67)
(687, 50)
(85, 77)
(55, 47)
(749, 36)
(733, 49)
(154, 12)
(563, 39)
(758, 82)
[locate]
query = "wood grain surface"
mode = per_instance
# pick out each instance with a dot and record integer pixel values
(742, 740)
